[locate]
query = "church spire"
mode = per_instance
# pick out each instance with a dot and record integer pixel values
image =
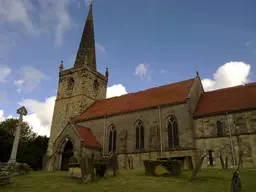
(86, 53)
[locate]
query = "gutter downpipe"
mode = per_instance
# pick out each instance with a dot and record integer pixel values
(104, 134)
(231, 142)
(160, 131)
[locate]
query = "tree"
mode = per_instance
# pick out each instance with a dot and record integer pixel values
(10, 126)
(6, 140)
(32, 151)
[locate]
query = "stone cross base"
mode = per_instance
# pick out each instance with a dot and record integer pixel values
(13, 169)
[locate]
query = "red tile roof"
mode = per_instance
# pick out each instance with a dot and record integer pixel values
(173, 93)
(87, 136)
(224, 100)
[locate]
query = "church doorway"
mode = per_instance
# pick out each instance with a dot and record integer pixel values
(66, 154)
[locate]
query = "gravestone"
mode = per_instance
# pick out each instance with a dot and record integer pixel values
(87, 169)
(112, 164)
(74, 168)
(236, 183)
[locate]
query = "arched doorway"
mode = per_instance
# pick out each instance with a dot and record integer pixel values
(66, 154)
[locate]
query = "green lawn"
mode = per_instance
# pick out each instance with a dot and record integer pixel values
(132, 180)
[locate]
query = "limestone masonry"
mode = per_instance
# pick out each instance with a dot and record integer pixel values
(175, 120)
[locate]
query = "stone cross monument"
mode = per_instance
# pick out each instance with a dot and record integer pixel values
(22, 112)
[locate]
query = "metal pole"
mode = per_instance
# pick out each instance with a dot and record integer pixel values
(160, 130)
(231, 142)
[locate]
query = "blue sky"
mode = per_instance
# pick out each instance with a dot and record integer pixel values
(144, 43)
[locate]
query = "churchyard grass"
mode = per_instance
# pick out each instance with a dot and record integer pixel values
(210, 180)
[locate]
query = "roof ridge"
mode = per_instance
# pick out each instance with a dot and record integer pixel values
(251, 84)
(223, 89)
(240, 97)
(152, 88)
(172, 93)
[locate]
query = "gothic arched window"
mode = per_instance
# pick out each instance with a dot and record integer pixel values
(219, 128)
(112, 138)
(173, 133)
(139, 135)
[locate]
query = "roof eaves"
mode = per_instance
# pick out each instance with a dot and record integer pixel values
(131, 111)
(223, 112)
(92, 147)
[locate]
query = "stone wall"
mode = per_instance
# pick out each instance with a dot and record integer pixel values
(126, 132)
(137, 158)
(77, 90)
(125, 123)
(243, 134)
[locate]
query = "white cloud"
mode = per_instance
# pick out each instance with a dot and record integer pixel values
(141, 69)
(55, 14)
(100, 47)
(1, 115)
(19, 84)
(248, 43)
(30, 79)
(230, 74)
(41, 114)
(162, 71)
(251, 45)
(116, 90)
(4, 72)
(18, 12)
(40, 117)
(35, 18)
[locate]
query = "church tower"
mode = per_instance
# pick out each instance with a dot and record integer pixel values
(79, 86)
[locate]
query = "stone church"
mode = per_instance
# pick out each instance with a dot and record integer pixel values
(178, 120)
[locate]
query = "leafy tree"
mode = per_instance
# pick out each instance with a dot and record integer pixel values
(10, 126)
(32, 151)
(6, 140)
(31, 147)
